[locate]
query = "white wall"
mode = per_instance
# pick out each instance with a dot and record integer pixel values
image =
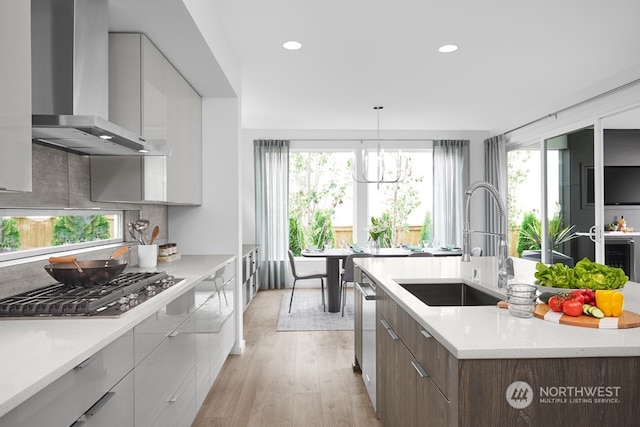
(215, 226)
(246, 153)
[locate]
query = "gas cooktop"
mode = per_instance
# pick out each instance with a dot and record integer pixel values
(116, 297)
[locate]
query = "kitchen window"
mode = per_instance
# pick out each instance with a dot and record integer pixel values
(30, 232)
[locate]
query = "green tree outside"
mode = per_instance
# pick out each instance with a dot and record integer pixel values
(75, 229)
(9, 234)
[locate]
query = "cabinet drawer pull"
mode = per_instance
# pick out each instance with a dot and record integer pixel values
(390, 330)
(85, 363)
(174, 398)
(173, 334)
(100, 403)
(425, 334)
(420, 369)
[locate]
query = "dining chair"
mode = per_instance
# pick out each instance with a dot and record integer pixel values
(477, 251)
(297, 277)
(347, 275)
(421, 254)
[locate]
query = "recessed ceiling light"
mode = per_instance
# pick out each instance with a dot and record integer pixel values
(448, 48)
(106, 137)
(292, 45)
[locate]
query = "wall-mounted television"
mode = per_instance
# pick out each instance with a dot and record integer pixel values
(621, 185)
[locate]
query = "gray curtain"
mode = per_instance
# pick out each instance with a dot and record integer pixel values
(271, 162)
(450, 180)
(495, 170)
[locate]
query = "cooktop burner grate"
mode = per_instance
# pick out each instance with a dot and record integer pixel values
(119, 295)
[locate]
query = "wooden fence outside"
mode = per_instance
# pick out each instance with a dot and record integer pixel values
(345, 233)
(38, 233)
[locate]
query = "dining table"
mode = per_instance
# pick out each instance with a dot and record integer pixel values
(333, 256)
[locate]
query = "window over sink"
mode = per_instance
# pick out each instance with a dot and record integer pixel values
(31, 232)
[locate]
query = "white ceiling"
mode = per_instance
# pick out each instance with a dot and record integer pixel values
(517, 61)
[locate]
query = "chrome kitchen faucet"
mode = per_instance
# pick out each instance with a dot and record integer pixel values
(505, 265)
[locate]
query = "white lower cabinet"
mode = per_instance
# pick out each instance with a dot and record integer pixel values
(214, 327)
(157, 374)
(115, 408)
(67, 399)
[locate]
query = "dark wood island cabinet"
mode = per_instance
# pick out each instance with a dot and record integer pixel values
(420, 383)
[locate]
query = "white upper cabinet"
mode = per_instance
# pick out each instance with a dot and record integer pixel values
(147, 95)
(15, 101)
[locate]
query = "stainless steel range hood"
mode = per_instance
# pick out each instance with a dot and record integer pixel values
(70, 93)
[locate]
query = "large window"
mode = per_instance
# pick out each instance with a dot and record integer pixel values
(324, 197)
(32, 232)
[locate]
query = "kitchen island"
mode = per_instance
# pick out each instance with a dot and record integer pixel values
(479, 365)
(38, 353)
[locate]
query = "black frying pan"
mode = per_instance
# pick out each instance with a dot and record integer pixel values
(70, 272)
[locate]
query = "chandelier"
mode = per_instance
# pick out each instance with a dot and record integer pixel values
(380, 178)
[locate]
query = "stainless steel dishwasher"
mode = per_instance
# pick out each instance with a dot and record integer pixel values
(365, 334)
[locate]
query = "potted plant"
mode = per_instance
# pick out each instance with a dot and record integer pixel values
(531, 236)
(380, 231)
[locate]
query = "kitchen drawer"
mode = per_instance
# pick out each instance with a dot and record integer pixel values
(438, 362)
(115, 408)
(64, 401)
(180, 408)
(158, 376)
(152, 331)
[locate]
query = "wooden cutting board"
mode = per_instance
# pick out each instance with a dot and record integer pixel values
(628, 319)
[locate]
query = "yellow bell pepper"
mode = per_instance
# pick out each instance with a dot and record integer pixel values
(610, 302)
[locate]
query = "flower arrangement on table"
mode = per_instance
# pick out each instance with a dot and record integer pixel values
(380, 231)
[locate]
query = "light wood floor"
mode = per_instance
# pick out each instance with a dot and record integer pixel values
(287, 378)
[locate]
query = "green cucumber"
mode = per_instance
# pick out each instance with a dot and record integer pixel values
(592, 310)
(544, 297)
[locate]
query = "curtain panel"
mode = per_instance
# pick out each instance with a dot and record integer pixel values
(450, 181)
(495, 169)
(271, 162)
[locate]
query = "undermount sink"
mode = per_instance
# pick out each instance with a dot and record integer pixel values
(449, 294)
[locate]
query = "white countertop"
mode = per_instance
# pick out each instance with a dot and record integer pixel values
(613, 234)
(36, 352)
(488, 332)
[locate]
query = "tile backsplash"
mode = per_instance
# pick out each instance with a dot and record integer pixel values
(62, 180)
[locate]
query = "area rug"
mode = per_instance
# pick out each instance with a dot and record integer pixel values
(307, 315)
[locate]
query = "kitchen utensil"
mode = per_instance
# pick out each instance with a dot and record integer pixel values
(141, 225)
(154, 234)
(119, 252)
(147, 256)
(94, 272)
(132, 233)
(628, 319)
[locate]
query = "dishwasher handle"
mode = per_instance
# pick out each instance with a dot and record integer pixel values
(367, 291)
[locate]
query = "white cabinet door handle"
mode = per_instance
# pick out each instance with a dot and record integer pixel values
(85, 363)
(100, 403)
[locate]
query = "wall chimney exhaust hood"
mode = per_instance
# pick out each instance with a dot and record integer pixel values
(70, 80)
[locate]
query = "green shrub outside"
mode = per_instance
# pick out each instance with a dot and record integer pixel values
(426, 234)
(75, 229)
(322, 231)
(528, 224)
(9, 234)
(296, 236)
